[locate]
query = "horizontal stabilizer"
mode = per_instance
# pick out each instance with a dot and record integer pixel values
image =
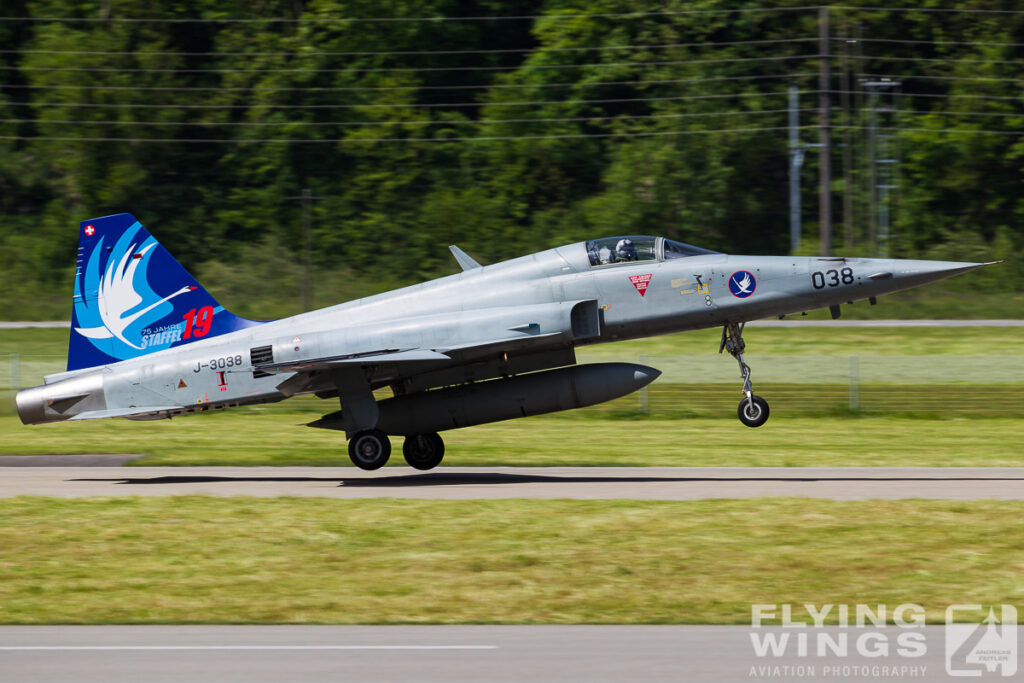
(375, 358)
(466, 261)
(124, 412)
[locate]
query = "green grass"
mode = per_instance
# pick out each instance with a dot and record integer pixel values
(692, 420)
(241, 560)
(53, 343)
(272, 435)
(955, 299)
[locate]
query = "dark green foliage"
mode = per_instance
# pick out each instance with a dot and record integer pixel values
(649, 139)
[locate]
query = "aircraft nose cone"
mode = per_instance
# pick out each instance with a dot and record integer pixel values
(912, 273)
(940, 268)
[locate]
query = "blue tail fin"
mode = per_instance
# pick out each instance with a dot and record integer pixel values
(132, 298)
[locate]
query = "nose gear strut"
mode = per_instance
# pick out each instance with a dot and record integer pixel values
(753, 410)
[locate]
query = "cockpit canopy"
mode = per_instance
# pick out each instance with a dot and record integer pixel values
(616, 250)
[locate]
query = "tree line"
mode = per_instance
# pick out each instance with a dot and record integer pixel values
(552, 121)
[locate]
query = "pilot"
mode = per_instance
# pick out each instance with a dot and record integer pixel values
(606, 255)
(625, 250)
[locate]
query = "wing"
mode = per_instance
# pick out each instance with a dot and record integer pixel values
(468, 346)
(366, 358)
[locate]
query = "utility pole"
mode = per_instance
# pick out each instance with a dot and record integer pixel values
(307, 250)
(307, 247)
(796, 160)
(884, 158)
(863, 200)
(824, 152)
(844, 95)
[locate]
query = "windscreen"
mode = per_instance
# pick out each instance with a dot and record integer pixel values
(681, 250)
(609, 250)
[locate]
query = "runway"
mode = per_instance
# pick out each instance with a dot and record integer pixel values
(111, 654)
(582, 483)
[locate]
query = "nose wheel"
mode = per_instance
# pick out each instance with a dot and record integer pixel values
(752, 410)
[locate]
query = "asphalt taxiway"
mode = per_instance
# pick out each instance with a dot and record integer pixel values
(258, 654)
(583, 483)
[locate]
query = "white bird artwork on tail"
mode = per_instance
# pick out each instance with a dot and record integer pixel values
(117, 296)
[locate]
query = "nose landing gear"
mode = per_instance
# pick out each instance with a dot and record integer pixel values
(752, 410)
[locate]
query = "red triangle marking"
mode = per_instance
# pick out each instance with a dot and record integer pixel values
(641, 282)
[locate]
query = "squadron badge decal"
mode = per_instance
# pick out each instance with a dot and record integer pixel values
(742, 284)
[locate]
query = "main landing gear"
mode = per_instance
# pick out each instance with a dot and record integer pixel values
(423, 451)
(752, 410)
(371, 448)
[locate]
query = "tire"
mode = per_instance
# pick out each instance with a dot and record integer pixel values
(423, 451)
(755, 416)
(369, 449)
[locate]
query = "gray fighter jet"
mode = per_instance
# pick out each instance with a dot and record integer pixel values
(490, 343)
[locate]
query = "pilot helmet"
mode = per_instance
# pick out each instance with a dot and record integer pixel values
(625, 248)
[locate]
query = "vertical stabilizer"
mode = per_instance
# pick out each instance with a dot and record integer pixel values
(133, 298)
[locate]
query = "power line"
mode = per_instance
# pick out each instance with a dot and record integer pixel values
(409, 53)
(379, 140)
(928, 95)
(483, 122)
(961, 131)
(939, 112)
(922, 77)
(391, 88)
(566, 119)
(525, 17)
(423, 69)
(133, 105)
(498, 138)
(953, 60)
(455, 105)
(926, 9)
(902, 41)
(957, 131)
(364, 20)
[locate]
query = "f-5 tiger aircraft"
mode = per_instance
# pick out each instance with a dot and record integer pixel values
(489, 343)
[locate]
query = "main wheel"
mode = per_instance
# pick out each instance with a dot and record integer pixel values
(755, 415)
(423, 451)
(369, 449)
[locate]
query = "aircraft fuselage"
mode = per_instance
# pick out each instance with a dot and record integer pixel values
(490, 322)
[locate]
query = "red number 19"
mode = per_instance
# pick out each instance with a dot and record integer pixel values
(197, 325)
